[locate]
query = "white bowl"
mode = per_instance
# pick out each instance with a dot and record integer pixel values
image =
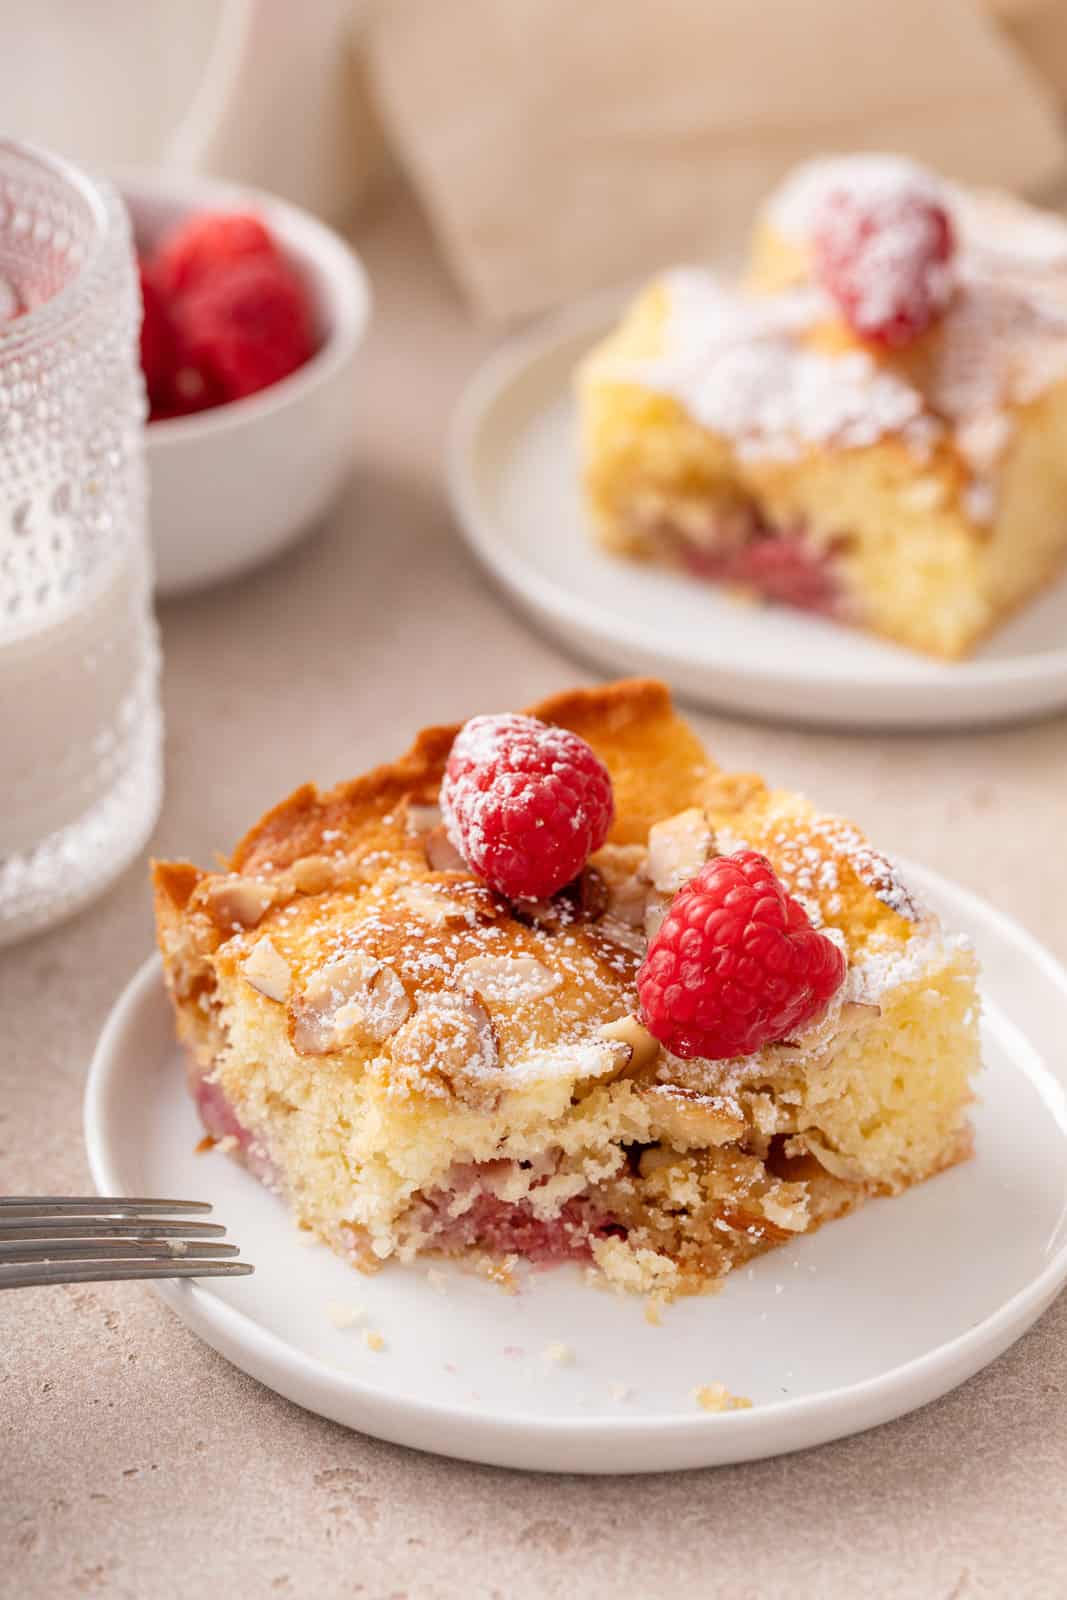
(231, 486)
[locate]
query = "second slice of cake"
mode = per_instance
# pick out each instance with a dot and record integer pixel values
(872, 427)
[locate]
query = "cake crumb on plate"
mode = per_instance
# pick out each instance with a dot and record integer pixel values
(343, 1316)
(717, 1397)
(561, 1355)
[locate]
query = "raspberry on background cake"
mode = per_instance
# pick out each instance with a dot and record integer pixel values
(732, 1024)
(872, 427)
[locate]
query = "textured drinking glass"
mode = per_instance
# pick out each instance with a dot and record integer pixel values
(79, 710)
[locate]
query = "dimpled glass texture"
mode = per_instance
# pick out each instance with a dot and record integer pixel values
(79, 709)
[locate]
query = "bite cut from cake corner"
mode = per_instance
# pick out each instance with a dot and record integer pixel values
(419, 1066)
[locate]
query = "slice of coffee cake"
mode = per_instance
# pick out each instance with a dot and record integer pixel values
(872, 426)
(420, 1063)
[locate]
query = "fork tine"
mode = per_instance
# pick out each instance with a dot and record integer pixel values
(27, 1277)
(41, 1205)
(93, 1228)
(113, 1250)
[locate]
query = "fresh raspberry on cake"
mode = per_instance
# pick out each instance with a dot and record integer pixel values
(206, 243)
(243, 328)
(736, 963)
(885, 258)
(525, 803)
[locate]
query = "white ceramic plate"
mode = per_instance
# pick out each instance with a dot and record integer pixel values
(513, 476)
(868, 1319)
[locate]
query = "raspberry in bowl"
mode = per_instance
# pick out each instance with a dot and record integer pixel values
(254, 313)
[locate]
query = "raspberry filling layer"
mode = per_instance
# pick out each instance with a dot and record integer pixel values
(221, 1122)
(506, 1227)
(740, 547)
(782, 567)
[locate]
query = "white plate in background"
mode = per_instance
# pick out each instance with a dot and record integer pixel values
(866, 1320)
(513, 476)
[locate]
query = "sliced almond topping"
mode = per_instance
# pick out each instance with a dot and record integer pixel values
(685, 1118)
(420, 818)
(430, 906)
(547, 915)
(441, 853)
(678, 848)
(881, 876)
(622, 866)
(585, 1065)
(509, 980)
(627, 901)
(268, 972)
(350, 999)
(632, 1032)
(244, 901)
(312, 874)
(448, 1041)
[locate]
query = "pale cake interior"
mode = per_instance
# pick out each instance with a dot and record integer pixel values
(488, 1095)
(743, 435)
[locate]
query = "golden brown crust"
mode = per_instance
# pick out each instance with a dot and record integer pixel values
(174, 882)
(623, 720)
(658, 767)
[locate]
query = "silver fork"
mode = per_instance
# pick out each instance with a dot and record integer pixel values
(86, 1239)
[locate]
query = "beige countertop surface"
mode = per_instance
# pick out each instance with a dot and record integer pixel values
(137, 1462)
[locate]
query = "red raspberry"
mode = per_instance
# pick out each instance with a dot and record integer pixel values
(240, 330)
(201, 245)
(525, 804)
(157, 338)
(736, 964)
(886, 260)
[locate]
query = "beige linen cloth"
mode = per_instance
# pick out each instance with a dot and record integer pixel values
(560, 146)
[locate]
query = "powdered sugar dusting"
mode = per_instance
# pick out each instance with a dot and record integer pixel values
(887, 259)
(744, 364)
(1004, 235)
(774, 400)
(795, 206)
(808, 853)
(735, 362)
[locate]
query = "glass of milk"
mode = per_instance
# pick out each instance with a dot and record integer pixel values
(80, 772)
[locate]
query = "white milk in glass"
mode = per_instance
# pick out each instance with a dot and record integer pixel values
(79, 710)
